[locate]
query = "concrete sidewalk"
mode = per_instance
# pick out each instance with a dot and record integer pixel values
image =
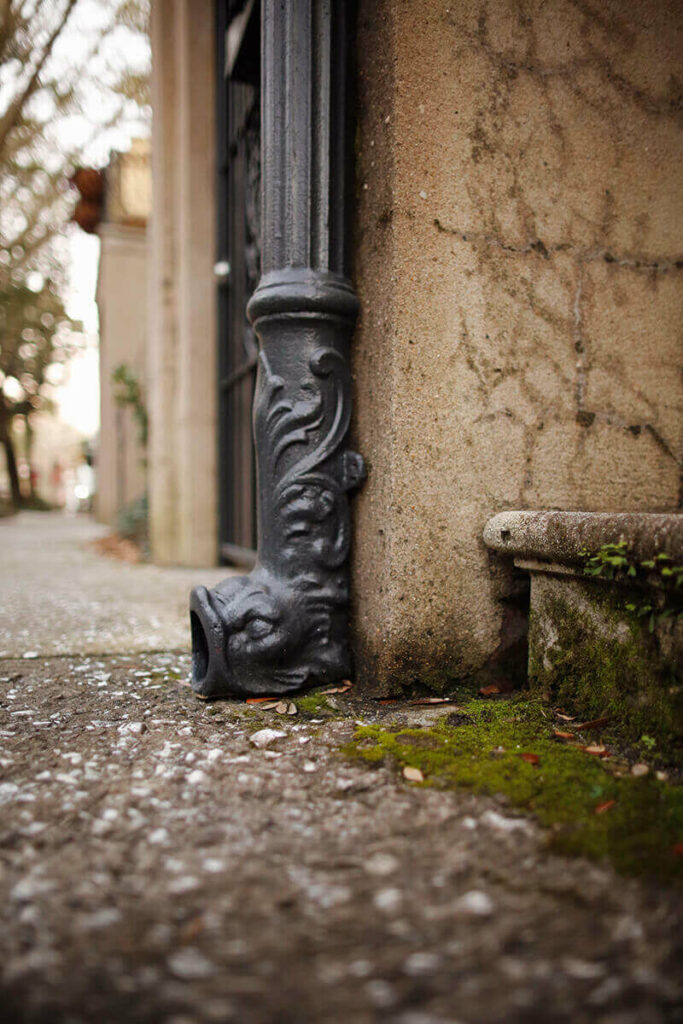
(59, 597)
(161, 860)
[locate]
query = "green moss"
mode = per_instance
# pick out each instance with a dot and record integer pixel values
(166, 675)
(483, 753)
(316, 705)
(591, 672)
(312, 703)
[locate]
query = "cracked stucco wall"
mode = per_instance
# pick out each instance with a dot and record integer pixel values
(518, 256)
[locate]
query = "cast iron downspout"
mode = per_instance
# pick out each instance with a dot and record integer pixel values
(284, 627)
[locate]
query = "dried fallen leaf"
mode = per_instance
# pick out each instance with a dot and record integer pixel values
(281, 707)
(388, 700)
(678, 850)
(194, 927)
(502, 686)
(566, 718)
(116, 546)
(563, 735)
(292, 709)
(262, 700)
(489, 691)
(413, 774)
(595, 723)
(342, 688)
(597, 749)
(604, 806)
(530, 758)
(429, 700)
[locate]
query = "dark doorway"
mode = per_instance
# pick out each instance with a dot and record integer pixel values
(237, 268)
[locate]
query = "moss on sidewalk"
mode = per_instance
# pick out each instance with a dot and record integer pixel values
(592, 807)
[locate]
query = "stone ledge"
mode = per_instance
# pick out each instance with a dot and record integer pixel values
(564, 537)
(602, 646)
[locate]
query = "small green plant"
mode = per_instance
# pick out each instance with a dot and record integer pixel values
(615, 561)
(132, 522)
(609, 562)
(662, 565)
(128, 391)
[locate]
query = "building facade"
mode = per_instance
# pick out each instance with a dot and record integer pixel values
(122, 290)
(516, 251)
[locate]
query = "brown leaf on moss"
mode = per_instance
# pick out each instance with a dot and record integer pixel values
(563, 735)
(530, 758)
(413, 774)
(596, 749)
(342, 688)
(502, 686)
(595, 723)
(604, 806)
(565, 718)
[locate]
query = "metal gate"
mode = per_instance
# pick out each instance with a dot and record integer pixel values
(237, 269)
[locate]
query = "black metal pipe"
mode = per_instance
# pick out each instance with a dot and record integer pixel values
(284, 627)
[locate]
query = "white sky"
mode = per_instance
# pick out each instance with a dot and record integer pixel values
(78, 398)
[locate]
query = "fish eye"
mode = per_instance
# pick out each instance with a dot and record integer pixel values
(258, 627)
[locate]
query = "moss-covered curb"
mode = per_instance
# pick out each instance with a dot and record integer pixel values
(592, 807)
(588, 655)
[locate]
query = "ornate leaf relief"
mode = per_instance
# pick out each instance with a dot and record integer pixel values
(330, 367)
(284, 422)
(311, 503)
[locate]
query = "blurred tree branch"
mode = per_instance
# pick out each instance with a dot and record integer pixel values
(64, 84)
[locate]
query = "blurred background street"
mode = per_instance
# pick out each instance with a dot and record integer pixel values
(61, 595)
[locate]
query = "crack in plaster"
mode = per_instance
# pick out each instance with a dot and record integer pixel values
(506, 62)
(630, 261)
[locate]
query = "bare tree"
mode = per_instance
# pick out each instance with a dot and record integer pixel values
(36, 335)
(65, 81)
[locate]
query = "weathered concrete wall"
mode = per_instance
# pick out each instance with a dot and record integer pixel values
(518, 259)
(121, 300)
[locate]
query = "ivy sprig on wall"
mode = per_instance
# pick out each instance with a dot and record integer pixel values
(128, 392)
(611, 561)
(617, 562)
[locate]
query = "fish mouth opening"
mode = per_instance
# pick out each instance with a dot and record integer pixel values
(207, 640)
(200, 650)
